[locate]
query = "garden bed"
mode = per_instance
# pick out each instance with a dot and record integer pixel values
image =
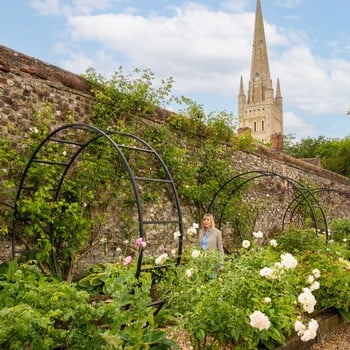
(333, 334)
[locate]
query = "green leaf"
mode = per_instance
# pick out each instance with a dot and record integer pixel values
(345, 314)
(154, 337)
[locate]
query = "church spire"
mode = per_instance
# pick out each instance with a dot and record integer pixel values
(262, 111)
(260, 79)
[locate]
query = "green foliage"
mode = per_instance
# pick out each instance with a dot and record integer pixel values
(41, 313)
(126, 96)
(340, 231)
(213, 302)
(306, 148)
(334, 154)
(197, 148)
(38, 312)
(336, 157)
(210, 296)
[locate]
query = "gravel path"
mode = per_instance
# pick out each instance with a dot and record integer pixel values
(337, 340)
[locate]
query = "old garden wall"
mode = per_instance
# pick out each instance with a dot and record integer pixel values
(26, 84)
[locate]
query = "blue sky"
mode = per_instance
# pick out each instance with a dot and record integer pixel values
(205, 45)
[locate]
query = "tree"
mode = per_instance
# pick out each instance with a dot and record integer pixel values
(306, 148)
(334, 154)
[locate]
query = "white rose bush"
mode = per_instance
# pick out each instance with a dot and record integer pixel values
(262, 294)
(254, 297)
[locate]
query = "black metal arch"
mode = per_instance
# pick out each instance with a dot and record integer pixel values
(79, 143)
(298, 201)
(303, 191)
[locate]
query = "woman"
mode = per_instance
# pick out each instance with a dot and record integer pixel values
(209, 236)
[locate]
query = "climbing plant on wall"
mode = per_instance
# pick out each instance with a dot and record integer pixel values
(196, 147)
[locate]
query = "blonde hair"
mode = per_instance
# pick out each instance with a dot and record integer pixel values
(211, 217)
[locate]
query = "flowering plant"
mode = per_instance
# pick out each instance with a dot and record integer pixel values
(260, 296)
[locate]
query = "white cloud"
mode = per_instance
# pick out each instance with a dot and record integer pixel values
(46, 7)
(296, 126)
(316, 85)
(199, 47)
(79, 62)
(206, 51)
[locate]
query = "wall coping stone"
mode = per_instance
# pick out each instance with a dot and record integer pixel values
(13, 61)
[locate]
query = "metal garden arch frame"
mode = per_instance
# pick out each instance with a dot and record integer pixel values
(303, 191)
(94, 133)
(314, 191)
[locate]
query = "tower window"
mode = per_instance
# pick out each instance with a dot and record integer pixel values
(255, 126)
(262, 125)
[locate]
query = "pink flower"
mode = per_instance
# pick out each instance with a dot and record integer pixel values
(127, 260)
(141, 243)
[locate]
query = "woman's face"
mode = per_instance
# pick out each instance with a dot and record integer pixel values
(207, 222)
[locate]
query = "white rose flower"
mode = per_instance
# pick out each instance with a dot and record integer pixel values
(195, 254)
(273, 243)
(299, 327)
(288, 261)
(161, 259)
(306, 333)
(245, 244)
(176, 235)
(313, 325)
(308, 300)
(267, 272)
(258, 234)
(259, 320)
(310, 279)
(316, 273)
(191, 231)
(315, 285)
(189, 272)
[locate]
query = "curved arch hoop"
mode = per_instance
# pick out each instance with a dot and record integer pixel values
(297, 200)
(304, 194)
(78, 137)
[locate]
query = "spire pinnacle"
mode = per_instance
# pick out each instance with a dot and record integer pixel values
(241, 88)
(278, 89)
(260, 64)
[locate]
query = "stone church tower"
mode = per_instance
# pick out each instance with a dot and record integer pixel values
(261, 112)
